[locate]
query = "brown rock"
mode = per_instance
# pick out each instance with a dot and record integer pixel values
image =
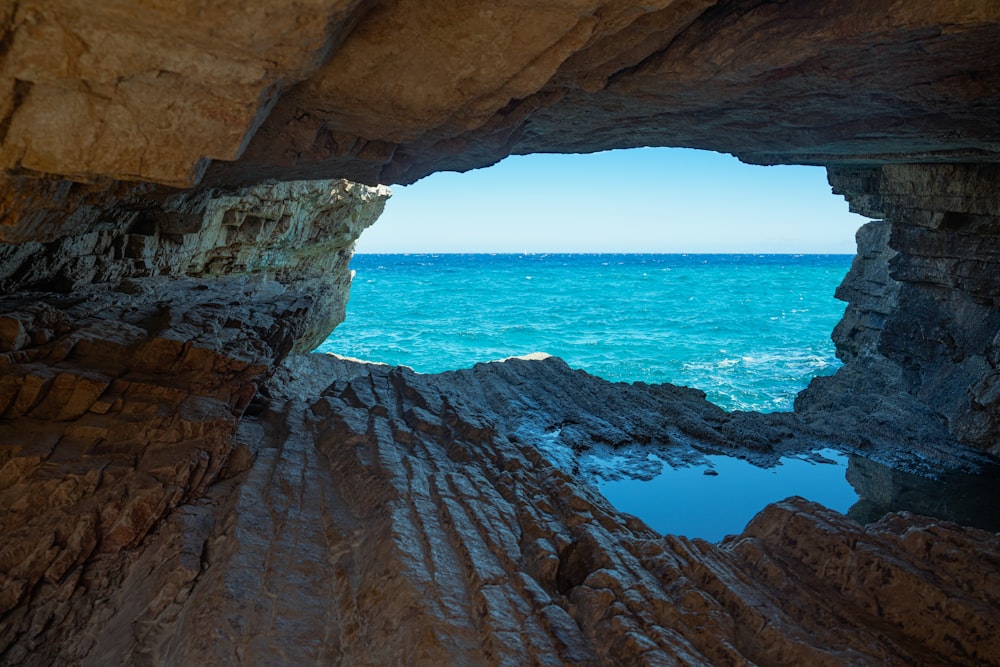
(164, 499)
(395, 91)
(385, 548)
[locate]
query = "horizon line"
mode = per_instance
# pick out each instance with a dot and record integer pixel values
(626, 252)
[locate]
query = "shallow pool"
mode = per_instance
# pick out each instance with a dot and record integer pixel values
(718, 497)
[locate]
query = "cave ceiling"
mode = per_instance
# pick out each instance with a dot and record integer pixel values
(234, 92)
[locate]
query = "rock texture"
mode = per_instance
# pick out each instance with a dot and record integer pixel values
(121, 387)
(179, 486)
(922, 330)
(396, 518)
(394, 90)
(299, 233)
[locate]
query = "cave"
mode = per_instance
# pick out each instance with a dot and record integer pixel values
(182, 483)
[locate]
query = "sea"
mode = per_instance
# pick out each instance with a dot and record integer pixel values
(749, 330)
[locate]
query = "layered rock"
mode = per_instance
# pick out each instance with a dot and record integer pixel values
(921, 335)
(175, 490)
(120, 394)
(393, 517)
(298, 233)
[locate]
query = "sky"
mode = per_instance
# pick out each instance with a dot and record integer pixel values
(652, 200)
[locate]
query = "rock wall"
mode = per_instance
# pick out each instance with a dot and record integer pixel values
(126, 363)
(921, 334)
(177, 485)
(300, 234)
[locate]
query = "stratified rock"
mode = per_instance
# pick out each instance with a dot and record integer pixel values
(921, 335)
(299, 233)
(173, 492)
(121, 392)
(393, 521)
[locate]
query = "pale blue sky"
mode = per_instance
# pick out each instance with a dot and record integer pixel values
(663, 200)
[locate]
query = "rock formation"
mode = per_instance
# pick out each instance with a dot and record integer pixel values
(392, 91)
(180, 484)
(392, 517)
(922, 332)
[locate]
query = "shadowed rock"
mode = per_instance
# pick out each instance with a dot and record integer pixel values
(394, 519)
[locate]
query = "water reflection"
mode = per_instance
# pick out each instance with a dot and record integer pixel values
(719, 496)
(716, 499)
(970, 500)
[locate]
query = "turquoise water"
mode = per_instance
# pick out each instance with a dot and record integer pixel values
(749, 330)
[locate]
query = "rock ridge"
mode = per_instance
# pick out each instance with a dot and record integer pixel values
(393, 508)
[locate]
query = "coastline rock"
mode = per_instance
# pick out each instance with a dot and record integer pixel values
(120, 400)
(386, 508)
(300, 234)
(178, 486)
(921, 331)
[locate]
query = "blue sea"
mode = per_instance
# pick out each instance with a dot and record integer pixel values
(749, 330)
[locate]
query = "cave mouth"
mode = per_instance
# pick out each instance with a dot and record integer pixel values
(657, 266)
(652, 265)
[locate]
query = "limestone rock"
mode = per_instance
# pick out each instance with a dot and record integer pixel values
(397, 518)
(123, 382)
(151, 92)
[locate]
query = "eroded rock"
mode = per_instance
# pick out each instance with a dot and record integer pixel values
(165, 499)
(392, 91)
(921, 331)
(389, 522)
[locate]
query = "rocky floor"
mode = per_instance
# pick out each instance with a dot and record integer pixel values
(387, 517)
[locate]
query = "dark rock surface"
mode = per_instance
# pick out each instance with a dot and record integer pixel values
(921, 335)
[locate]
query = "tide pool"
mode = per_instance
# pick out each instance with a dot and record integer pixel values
(719, 497)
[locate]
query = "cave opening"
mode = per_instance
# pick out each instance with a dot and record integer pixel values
(652, 265)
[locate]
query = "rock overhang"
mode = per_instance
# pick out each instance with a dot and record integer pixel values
(162, 452)
(390, 92)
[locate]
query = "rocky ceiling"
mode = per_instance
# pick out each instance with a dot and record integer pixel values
(236, 91)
